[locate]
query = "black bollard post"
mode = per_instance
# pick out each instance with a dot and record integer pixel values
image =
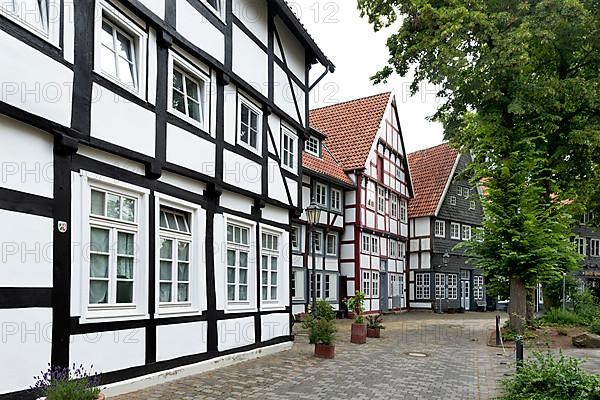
(519, 351)
(498, 341)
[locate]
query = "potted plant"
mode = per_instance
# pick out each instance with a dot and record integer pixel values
(359, 328)
(324, 335)
(62, 383)
(374, 325)
(323, 310)
(350, 314)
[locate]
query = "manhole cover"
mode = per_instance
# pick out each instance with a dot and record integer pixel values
(419, 355)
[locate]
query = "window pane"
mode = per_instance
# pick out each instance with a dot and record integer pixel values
(166, 249)
(165, 292)
(128, 209)
(97, 202)
(113, 206)
(252, 138)
(231, 292)
(183, 251)
(178, 101)
(98, 266)
(243, 292)
(273, 292)
(243, 260)
(183, 272)
(253, 121)
(126, 72)
(124, 292)
(243, 276)
(274, 263)
(245, 236)
(245, 112)
(265, 277)
(183, 227)
(231, 258)
(98, 292)
(182, 292)
(107, 59)
(229, 233)
(125, 245)
(265, 292)
(124, 268)
(123, 47)
(165, 271)
(163, 220)
(230, 275)
(194, 110)
(265, 262)
(171, 221)
(99, 240)
(107, 35)
(244, 133)
(192, 90)
(178, 80)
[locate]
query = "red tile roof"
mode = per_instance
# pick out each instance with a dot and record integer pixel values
(327, 166)
(351, 128)
(430, 170)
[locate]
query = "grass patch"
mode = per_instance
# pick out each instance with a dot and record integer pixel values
(556, 316)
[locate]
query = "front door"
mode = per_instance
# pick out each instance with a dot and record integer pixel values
(383, 287)
(465, 299)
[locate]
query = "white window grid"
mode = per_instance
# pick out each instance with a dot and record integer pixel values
(472, 205)
(581, 245)
(269, 266)
(327, 286)
(375, 284)
(289, 149)
(367, 283)
(331, 244)
(466, 232)
(595, 247)
(366, 243)
(452, 286)
(423, 287)
(375, 245)
(336, 200)
(249, 125)
(238, 255)
(454, 230)
(394, 205)
(440, 229)
(381, 197)
(371, 195)
(440, 286)
(478, 293)
(312, 146)
(452, 200)
(321, 194)
(403, 213)
(295, 238)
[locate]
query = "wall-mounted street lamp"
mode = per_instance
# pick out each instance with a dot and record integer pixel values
(313, 215)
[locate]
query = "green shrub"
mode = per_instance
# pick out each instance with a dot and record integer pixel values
(595, 326)
(586, 306)
(556, 316)
(324, 331)
(60, 383)
(543, 377)
(356, 304)
(375, 321)
(317, 330)
(325, 310)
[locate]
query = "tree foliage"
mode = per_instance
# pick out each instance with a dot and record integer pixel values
(520, 84)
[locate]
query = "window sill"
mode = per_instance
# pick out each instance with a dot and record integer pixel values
(171, 311)
(186, 118)
(29, 28)
(117, 82)
(239, 308)
(272, 307)
(111, 315)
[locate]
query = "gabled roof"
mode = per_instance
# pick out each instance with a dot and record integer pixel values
(351, 128)
(326, 166)
(432, 170)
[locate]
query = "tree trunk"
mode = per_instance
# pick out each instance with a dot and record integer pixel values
(517, 310)
(530, 307)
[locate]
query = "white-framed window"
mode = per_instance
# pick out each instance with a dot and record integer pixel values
(321, 194)
(374, 245)
(327, 287)
(366, 243)
(472, 205)
(381, 199)
(375, 283)
(403, 213)
(297, 279)
(269, 266)
(336, 200)
(175, 257)
(393, 248)
(289, 149)
(332, 244)
(394, 205)
(41, 17)
(238, 254)
(216, 6)
(293, 282)
(111, 218)
(318, 238)
(440, 229)
(120, 49)
(459, 191)
(371, 195)
(452, 200)
(454, 230)
(465, 274)
(295, 238)
(422, 286)
(466, 232)
(595, 247)
(581, 245)
(466, 192)
(401, 249)
(318, 278)
(313, 146)
(399, 174)
(249, 125)
(478, 293)
(189, 88)
(452, 286)
(440, 286)
(366, 283)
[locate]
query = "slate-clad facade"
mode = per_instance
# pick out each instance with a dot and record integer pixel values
(444, 213)
(150, 171)
(587, 241)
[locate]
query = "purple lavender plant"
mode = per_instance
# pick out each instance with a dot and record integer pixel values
(63, 383)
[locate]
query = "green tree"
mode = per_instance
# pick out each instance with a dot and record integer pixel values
(520, 86)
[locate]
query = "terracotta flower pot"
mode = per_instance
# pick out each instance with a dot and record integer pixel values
(374, 332)
(350, 315)
(359, 333)
(324, 350)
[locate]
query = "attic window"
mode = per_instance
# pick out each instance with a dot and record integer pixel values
(313, 146)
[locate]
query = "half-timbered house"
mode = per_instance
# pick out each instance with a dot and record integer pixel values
(324, 182)
(150, 170)
(445, 210)
(364, 136)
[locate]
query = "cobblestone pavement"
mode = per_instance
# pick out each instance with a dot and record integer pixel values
(458, 365)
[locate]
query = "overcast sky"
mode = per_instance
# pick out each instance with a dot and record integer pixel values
(358, 52)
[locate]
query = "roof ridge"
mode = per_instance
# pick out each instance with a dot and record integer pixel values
(388, 92)
(432, 148)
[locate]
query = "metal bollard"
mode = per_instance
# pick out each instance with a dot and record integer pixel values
(498, 341)
(519, 351)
